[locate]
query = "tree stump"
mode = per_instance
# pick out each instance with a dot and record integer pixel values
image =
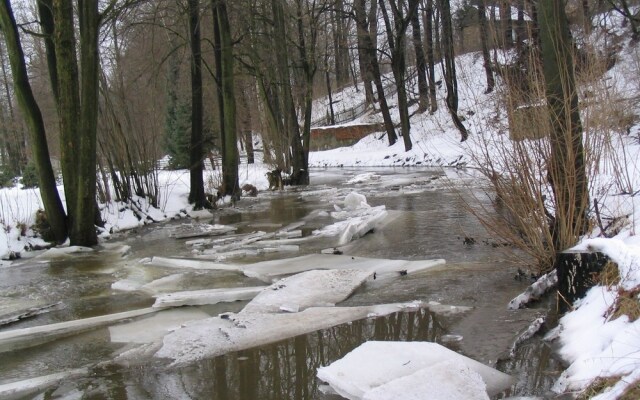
(577, 273)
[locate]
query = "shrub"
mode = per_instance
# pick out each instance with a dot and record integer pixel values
(42, 226)
(30, 176)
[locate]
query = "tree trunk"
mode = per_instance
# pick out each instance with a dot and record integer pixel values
(363, 60)
(484, 40)
(431, 73)
(421, 63)
(341, 49)
(307, 60)
(371, 51)
(566, 168)
(450, 68)
(68, 102)
(33, 116)
(83, 231)
(505, 19)
(230, 185)
(397, 46)
(196, 154)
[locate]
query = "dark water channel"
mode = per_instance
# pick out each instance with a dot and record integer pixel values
(428, 219)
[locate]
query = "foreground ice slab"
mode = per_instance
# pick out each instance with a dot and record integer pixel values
(373, 364)
(307, 289)
(216, 336)
(28, 337)
(447, 380)
(207, 296)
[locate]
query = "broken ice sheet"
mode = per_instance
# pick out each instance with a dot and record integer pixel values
(206, 296)
(447, 380)
(307, 289)
(148, 329)
(373, 364)
(215, 336)
(268, 270)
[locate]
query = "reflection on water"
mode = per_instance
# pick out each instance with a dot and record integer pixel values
(281, 371)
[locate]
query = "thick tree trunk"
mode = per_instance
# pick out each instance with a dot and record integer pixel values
(83, 231)
(566, 168)
(68, 102)
(307, 60)
(196, 153)
(33, 116)
(230, 183)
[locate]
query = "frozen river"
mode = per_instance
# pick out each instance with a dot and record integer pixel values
(427, 219)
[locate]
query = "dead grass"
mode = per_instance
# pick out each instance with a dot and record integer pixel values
(601, 384)
(627, 304)
(597, 387)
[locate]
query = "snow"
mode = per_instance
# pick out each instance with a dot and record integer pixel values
(590, 339)
(365, 372)
(535, 291)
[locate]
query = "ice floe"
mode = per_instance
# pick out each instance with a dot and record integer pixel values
(23, 388)
(28, 337)
(307, 289)
(447, 380)
(535, 291)
(371, 372)
(154, 327)
(233, 332)
(270, 270)
(207, 296)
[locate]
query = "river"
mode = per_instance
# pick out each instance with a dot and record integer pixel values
(430, 219)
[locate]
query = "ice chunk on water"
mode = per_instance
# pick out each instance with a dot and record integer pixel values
(375, 363)
(28, 337)
(307, 289)
(354, 201)
(268, 270)
(21, 389)
(57, 252)
(216, 336)
(149, 329)
(207, 296)
(447, 380)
